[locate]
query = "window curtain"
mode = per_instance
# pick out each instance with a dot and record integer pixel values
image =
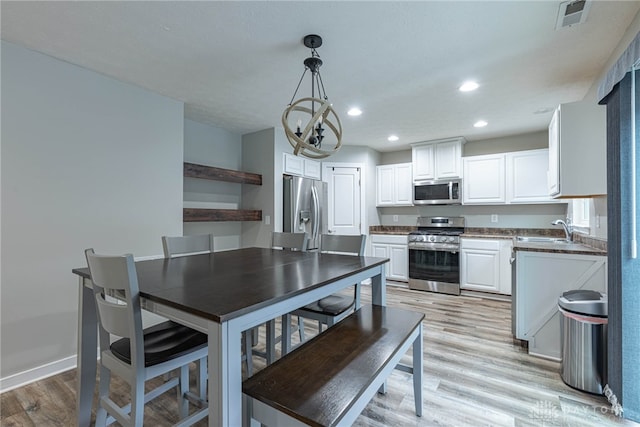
(619, 90)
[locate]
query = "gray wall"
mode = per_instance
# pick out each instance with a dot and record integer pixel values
(212, 146)
(87, 161)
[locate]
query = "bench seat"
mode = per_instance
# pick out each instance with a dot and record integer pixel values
(329, 380)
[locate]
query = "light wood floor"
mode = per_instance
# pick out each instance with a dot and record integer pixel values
(474, 376)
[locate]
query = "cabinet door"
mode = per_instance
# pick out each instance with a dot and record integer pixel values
(293, 165)
(448, 157)
(399, 263)
(527, 176)
(385, 185)
(553, 174)
(484, 181)
(423, 162)
(311, 169)
(403, 185)
(480, 269)
(380, 250)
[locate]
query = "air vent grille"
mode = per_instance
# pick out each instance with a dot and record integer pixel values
(572, 12)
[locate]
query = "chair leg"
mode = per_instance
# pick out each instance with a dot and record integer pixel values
(103, 393)
(137, 402)
(183, 388)
(202, 378)
(271, 341)
(247, 341)
(301, 329)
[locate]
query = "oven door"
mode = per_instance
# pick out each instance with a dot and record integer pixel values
(435, 268)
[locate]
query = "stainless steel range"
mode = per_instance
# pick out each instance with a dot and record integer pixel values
(434, 254)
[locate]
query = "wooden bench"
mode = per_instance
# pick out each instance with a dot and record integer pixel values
(329, 380)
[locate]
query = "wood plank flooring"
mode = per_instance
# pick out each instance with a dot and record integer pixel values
(475, 375)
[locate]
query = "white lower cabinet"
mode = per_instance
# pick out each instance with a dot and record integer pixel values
(395, 248)
(541, 278)
(485, 266)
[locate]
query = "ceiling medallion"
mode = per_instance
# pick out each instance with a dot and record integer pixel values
(312, 116)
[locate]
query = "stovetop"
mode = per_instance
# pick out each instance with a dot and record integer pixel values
(438, 230)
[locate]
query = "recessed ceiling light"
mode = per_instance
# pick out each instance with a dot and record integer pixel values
(544, 110)
(480, 124)
(355, 111)
(393, 138)
(468, 86)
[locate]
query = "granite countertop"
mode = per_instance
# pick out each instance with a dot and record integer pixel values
(392, 229)
(583, 244)
(562, 248)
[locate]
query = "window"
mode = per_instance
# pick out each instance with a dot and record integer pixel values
(580, 208)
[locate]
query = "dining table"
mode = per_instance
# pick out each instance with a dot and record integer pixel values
(223, 294)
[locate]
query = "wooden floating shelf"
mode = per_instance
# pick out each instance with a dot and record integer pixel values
(206, 215)
(192, 170)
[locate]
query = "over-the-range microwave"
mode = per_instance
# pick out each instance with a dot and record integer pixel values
(437, 192)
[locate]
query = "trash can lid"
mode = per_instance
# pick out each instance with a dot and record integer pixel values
(582, 301)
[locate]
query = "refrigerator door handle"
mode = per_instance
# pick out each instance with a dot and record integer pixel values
(316, 213)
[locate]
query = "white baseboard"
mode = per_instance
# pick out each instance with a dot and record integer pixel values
(23, 378)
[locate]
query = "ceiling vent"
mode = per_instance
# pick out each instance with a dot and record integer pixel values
(572, 13)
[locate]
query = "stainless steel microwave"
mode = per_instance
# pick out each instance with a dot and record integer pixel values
(439, 192)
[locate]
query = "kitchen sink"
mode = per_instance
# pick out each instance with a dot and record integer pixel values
(540, 239)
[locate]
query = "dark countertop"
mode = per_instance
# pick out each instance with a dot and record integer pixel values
(564, 248)
(583, 244)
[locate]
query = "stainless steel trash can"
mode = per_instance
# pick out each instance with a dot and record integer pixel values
(583, 335)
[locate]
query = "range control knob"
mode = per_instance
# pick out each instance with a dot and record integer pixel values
(432, 238)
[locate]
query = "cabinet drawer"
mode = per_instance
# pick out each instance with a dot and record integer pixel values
(480, 244)
(393, 239)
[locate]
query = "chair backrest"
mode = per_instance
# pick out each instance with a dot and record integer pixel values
(121, 317)
(290, 241)
(183, 245)
(343, 244)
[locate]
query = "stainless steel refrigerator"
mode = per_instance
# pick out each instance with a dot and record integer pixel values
(305, 208)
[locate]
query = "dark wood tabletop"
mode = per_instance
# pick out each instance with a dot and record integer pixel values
(224, 285)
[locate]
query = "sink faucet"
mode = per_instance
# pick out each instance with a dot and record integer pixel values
(567, 227)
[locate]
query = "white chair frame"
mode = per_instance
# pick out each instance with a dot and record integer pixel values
(339, 244)
(117, 275)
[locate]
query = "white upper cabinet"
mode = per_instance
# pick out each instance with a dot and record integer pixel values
(440, 159)
(484, 181)
(577, 151)
(394, 185)
(527, 176)
(296, 165)
(516, 177)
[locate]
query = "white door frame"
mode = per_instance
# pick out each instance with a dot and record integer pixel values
(364, 228)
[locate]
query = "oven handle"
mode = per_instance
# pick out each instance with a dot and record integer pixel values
(449, 249)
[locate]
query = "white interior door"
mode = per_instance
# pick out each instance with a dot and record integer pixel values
(344, 200)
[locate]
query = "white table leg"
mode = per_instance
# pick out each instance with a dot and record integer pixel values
(225, 375)
(87, 353)
(418, 367)
(379, 288)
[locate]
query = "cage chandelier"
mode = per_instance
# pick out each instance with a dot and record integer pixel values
(312, 116)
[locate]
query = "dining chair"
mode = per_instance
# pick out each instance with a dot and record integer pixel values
(189, 245)
(335, 307)
(283, 241)
(139, 354)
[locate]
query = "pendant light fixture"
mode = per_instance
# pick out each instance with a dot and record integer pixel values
(316, 132)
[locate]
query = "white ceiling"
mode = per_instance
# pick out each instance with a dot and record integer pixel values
(236, 64)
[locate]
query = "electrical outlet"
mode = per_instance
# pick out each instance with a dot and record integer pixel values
(267, 219)
(395, 218)
(494, 218)
(597, 221)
